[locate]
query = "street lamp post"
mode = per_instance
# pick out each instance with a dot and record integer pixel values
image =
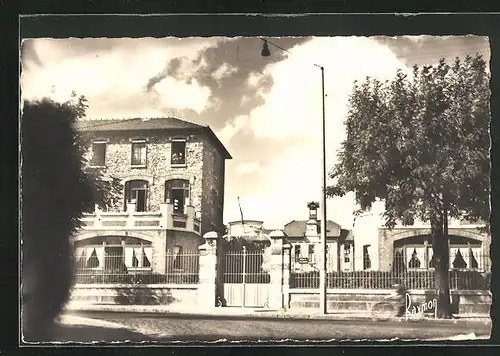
(323, 226)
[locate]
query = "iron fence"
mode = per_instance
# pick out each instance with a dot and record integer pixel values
(181, 268)
(245, 267)
(475, 276)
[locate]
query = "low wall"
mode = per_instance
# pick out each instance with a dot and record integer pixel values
(361, 300)
(126, 294)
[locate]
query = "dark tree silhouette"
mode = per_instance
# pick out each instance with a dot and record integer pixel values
(54, 192)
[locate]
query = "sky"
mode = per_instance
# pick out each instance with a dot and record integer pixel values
(267, 111)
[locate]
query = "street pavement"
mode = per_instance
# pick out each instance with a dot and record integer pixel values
(77, 329)
(306, 313)
(168, 327)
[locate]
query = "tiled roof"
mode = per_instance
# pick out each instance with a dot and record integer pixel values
(135, 124)
(298, 228)
(148, 124)
(346, 235)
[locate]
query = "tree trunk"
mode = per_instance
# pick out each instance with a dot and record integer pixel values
(440, 246)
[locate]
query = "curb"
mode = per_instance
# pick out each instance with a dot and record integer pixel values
(250, 313)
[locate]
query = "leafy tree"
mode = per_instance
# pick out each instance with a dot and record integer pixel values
(107, 190)
(420, 142)
(54, 193)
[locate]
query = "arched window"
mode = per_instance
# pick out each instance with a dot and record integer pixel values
(136, 191)
(177, 194)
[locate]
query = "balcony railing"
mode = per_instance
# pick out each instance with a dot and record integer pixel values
(150, 220)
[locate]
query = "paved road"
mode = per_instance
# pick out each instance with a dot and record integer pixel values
(165, 328)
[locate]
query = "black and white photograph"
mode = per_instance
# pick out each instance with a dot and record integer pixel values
(255, 189)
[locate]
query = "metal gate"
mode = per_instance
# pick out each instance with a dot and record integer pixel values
(246, 283)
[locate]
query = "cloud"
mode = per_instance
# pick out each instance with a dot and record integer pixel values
(246, 168)
(427, 50)
(181, 68)
(232, 128)
(116, 75)
(224, 71)
(180, 95)
(292, 110)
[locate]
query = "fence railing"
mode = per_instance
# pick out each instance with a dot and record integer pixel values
(181, 268)
(252, 267)
(460, 278)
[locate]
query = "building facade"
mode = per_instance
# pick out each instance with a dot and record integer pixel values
(304, 237)
(410, 247)
(171, 189)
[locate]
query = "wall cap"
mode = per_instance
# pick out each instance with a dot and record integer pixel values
(138, 286)
(382, 291)
(210, 235)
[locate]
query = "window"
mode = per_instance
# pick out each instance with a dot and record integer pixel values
(311, 254)
(415, 257)
(138, 256)
(114, 259)
(98, 154)
(475, 258)
(88, 257)
(462, 257)
(347, 253)
(178, 156)
(138, 153)
(177, 194)
(136, 191)
(297, 253)
(398, 264)
(367, 263)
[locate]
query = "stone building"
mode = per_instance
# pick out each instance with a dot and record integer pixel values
(410, 247)
(171, 174)
(304, 237)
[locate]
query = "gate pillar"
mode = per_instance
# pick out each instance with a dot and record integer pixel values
(276, 272)
(208, 271)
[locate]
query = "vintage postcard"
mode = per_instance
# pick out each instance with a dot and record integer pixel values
(257, 189)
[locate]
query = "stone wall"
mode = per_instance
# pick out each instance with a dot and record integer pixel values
(205, 171)
(187, 240)
(212, 188)
(175, 294)
(361, 301)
